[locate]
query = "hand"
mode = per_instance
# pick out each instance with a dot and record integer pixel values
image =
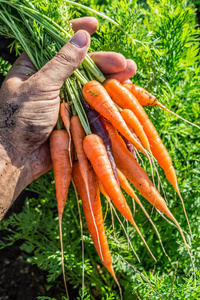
(29, 104)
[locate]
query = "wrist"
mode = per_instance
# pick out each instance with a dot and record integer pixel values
(15, 175)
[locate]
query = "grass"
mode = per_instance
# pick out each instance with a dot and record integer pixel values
(168, 66)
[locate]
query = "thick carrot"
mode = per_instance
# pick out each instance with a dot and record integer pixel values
(125, 99)
(96, 153)
(104, 252)
(132, 121)
(96, 95)
(146, 98)
(59, 149)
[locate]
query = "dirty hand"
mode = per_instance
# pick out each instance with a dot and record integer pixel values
(29, 104)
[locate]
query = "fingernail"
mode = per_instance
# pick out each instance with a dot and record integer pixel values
(79, 39)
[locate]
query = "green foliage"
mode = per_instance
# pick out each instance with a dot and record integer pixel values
(4, 66)
(166, 50)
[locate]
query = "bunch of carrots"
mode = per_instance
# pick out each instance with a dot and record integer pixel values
(101, 155)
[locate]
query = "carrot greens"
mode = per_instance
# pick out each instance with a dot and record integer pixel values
(162, 38)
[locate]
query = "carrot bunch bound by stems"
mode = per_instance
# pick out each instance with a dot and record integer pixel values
(106, 119)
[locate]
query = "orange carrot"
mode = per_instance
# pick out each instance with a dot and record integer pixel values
(132, 121)
(96, 153)
(97, 211)
(96, 95)
(59, 149)
(65, 114)
(146, 98)
(125, 99)
(59, 143)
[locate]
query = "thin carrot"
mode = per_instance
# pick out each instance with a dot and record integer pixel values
(146, 98)
(104, 252)
(96, 153)
(78, 135)
(128, 189)
(59, 149)
(132, 121)
(128, 165)
(65, 115)
(125, 99)
(96, 95)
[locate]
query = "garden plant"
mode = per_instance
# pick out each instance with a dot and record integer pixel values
(162, 37)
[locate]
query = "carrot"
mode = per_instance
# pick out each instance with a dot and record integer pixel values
(125, 99)
(96, 153)
(146, 98)
(78, 135)
(128, 165)
(102, 247)
(59, 141)
(128, 189)
(96, 95)
(65, 115)
(132, 121)
(59, 149)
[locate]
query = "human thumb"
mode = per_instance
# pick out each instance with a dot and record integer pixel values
(65, 62)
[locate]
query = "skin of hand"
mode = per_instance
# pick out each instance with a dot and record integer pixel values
(29, 106)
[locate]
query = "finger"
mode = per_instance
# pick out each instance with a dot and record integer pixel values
(127, 81)
(109, 62)
(64, 63)
(22, 68)
(129, 71)
(90, 24)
